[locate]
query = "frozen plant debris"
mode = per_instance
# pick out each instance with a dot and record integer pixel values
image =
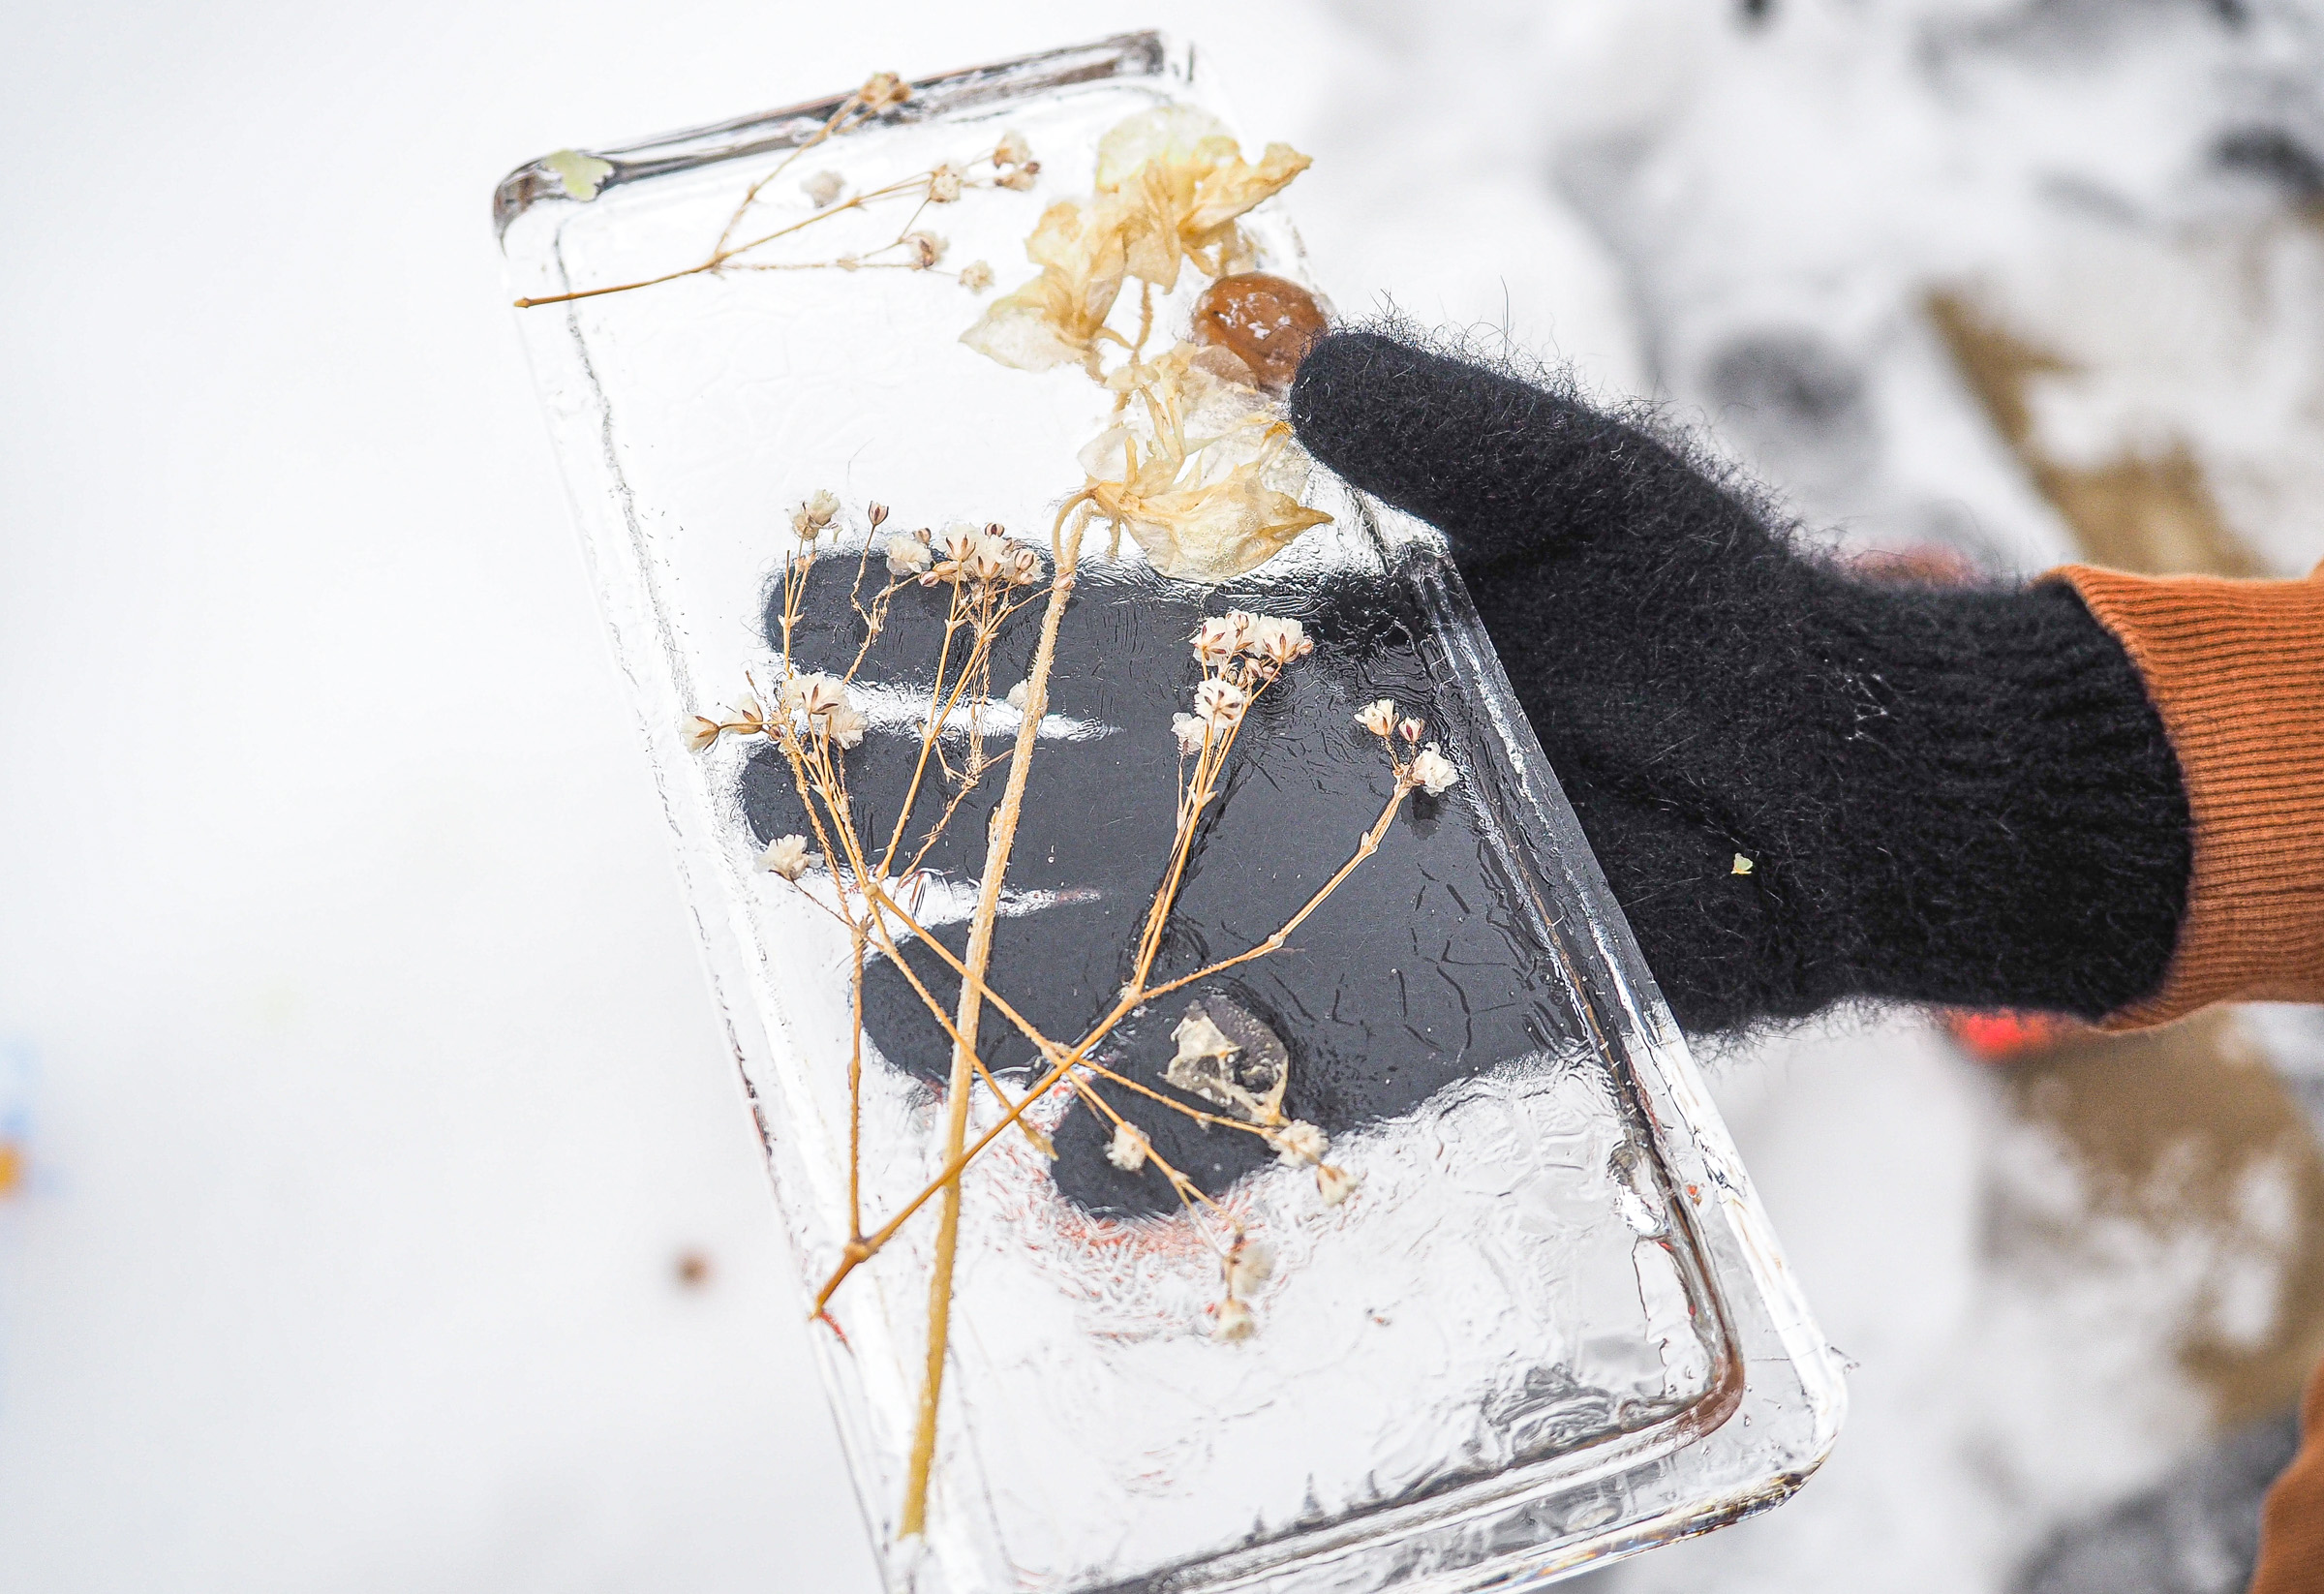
(1191, 731)
(700, 731)
(944, 184)
(811, 517)
(823, 189)
(1230, 1320)
(1380, 718)
(909, 556)
(1012, 150)
(922, 249)
(786, 856)
(1249, 1264)
(1229, 1058)
(1127, 1148)
(579, 175)
(1335, 1185)
(976, 276)
(1433, 770)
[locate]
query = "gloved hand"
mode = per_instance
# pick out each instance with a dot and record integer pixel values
(1947, 794)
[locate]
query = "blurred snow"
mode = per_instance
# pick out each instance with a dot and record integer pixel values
(350, 1025)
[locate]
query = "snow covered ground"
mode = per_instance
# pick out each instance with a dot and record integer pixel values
(380, 1213)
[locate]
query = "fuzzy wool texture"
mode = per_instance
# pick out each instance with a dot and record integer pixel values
(1953, 794)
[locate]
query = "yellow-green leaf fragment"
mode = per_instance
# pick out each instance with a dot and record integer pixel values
(581, 174)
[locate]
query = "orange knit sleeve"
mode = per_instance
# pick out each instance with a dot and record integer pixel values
(2235, 670)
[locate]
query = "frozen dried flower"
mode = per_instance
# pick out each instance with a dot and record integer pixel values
(579, 175)
(1127, 1148)
(1025, 567)
(823, 189)
(1177, 180)
(1334, 1183)
(786, 856)
(1297, 1144)
(847, 725)
(1380, 718)
(1214, 641)
(1054, 319)
(1018, 694)
(814, 694)
(1220, 703)
(1411, 730)
(976, 276)
(814, 515)
(699, 732)
(1743, 865)
(744, 712)
(1246, 623)
(1279, 642)
(1190, 730)
(1012, 150)
(908, 556)
(876, 513)
(944, 184)
(1433, 772)
(1019, 178)
(1247, 1265)
(922, 249)
(882, 90)
(1230, 1320)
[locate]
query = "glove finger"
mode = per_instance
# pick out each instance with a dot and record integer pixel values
(1500, 466)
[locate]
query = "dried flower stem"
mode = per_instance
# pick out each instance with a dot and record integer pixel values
(1003, 837)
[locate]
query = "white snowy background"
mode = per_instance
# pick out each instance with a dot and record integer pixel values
(350, 1034)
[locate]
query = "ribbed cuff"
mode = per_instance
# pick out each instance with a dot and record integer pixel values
(2235, 670)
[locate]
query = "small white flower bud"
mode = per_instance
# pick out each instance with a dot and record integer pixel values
(1012, 150)
(699, 732)
(1189, 729)
(944, 184)
(1021, 178)
(976, 276)
(744, 710)
(1333, 1184)
(1411, 730)
(846, 726)
(1127, 1148)
(1380, 718)
(1250, 1264)
(1297, 1144)
(1434, 772)
(786, 856)
(1018, 694)
(822, 188)
(922, 249)
(1230, 1320)
(1214, 641)
(908, 556)
(1279, 642)
(1220, 703)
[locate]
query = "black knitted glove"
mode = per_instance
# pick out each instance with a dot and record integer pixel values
(1957, 795)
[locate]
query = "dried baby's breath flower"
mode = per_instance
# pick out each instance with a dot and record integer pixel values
(744, 712)
(1743, 865)
(1334, 1183)
(699, 732)
(976, 276)
(1012, 150)
(1380, 718)
(908, 556)
(846, 726)
(1249, 1264)
(944, 184)
(1127, 1148)
(1215, 640)
(883, 90)
(922, 249)
(1230, 1320)
(1280, 642)
(1025, 567)
(1433, 772)
(1299, 1144)
(823, 189)
(1018, 694)
(811, 517)
(1190, 730)
(814, 695)
(1220, 703)
(786, 856)
(876, 513)
(1019, 178)
(1411, 730)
